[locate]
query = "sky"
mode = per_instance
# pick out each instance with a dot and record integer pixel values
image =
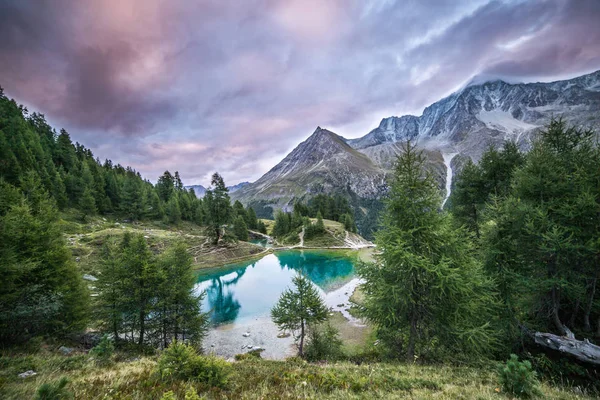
(233, 86)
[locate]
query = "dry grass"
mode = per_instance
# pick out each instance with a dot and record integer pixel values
(256, 379)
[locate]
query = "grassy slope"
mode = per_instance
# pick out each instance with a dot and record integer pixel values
(136, 378)
(333, 237)
(86, 240)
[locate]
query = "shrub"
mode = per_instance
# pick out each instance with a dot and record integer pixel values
(181, 361)
(54, 391)
(323, 344)
(103, 352)
(177, 361)
(251, 355)
(518, 378)
(168, 396)
(191, 394)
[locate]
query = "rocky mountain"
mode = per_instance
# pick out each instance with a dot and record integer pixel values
(464, 123)
(201, 190)
(198, 189)
(322, 163)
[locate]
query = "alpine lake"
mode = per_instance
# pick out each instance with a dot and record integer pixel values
(239, 297)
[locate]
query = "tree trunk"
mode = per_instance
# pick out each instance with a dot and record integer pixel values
(301, 347)
(564, 331)
(142, 325)
(582, 350)
(575, 311)
(588, 307)
(412, 339)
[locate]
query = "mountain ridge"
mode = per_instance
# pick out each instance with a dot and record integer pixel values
(465, 122)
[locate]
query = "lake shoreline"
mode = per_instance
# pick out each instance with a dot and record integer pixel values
(271, 250)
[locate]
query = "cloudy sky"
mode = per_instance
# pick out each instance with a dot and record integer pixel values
(233, 85)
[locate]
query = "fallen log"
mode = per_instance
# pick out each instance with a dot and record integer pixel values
(582, 350)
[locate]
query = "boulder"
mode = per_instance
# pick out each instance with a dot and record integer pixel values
(66, 350)
(27, 374)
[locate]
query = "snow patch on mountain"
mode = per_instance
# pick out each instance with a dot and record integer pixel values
(448, 157)
(505, 122)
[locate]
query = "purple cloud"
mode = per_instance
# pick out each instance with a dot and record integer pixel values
(232, 86)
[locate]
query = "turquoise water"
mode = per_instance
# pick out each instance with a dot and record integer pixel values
(248, 290)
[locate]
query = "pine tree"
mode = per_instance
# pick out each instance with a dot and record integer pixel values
(541, 247)
(113, 299)
(218, 207)
(87, 204)
(140, 282)
(178, 306)
(251, 219)
(132, 198)
(173, 211)
(282, 225)
(42, 291)
(240, 229)
(165, 186)
(299, 308)
(426, 291)
(319, 225)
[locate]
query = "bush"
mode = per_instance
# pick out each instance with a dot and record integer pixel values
(181, 361)
(251, 355)
(191, 394)
(103, 352)
(54, 391)
(518, 378)
(323, 344)
(168, 396)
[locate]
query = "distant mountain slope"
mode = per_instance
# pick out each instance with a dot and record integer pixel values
(322, 163)
(492, 112)
(464, 123)
(201, 190)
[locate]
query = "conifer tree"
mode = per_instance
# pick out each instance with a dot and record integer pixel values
(251, 219)
(42, 291)
(218, 207)
(173, 211)
(319, 225)
(426, 291)
(140, 282)
(240, 229)
(178, 306)
(112, 300)
(87, 204)
(298, 309)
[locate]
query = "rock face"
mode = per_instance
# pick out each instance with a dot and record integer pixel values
(322, 163)
(465, 123)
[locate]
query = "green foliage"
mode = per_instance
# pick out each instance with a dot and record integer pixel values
(173, 210)
(298, 308)
(251, 218)
(218, 207)
(282, 224)
(251, 355)
(54, 391)
(42, 291)
(324, 344)
(103, 351)
(518, 378)
(168, 396)
(540, 243)
(151, 297)
(261, 227)
(427, 294)
(240, 229)
(191, 394)
(181, 361)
